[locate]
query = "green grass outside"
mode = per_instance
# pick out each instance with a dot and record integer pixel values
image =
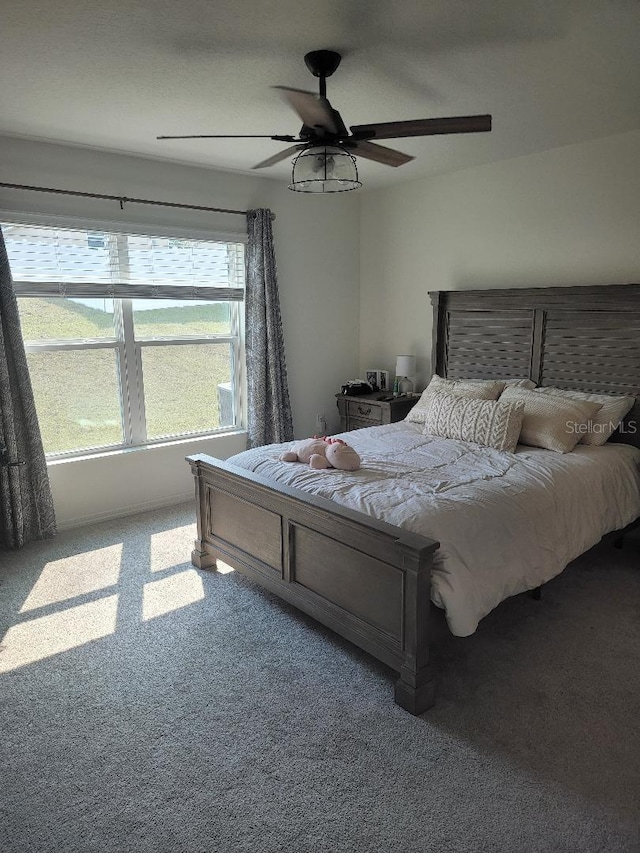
(77, 395)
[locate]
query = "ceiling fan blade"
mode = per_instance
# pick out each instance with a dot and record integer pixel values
(281, 155)
(380, 154)
(315, 111)
(283, 138)
(423, 127)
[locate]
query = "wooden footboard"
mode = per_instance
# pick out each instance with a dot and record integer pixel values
(364, 579)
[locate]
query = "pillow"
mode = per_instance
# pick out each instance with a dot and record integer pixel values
(598, 429)
(521, 383)
(554, 423)
(474, 389)
(490, 423)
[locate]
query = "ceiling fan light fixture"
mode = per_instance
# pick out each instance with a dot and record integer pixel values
(324, 169)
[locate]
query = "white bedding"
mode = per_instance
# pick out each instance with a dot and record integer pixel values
(505, 522)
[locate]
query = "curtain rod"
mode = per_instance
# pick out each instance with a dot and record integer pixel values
(124, 200)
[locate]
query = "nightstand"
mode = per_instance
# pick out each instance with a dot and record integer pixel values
(368, 410)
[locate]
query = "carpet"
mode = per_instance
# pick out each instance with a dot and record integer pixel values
(147, 706)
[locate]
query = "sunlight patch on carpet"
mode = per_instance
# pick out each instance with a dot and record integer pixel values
(76, 575)
(171, 593)
(58, 632)
(171, 548)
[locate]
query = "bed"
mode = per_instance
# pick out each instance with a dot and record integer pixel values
(378, 581)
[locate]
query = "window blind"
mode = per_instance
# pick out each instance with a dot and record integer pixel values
(52, 261)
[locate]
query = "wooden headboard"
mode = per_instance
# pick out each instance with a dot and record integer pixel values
(580, 338)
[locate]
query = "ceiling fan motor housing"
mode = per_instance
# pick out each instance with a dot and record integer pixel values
(322, 63)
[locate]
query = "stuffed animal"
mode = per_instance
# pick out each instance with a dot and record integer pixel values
(323, 453)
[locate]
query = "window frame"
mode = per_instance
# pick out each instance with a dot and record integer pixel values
(128, 347)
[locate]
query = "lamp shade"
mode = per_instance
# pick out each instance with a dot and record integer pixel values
(324, 169)
(406, 365)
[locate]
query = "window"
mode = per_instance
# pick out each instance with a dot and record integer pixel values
(130, 338)
(95, 241)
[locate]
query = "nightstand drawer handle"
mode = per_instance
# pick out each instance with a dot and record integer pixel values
(362, 411)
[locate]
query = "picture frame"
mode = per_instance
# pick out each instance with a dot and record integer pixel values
(379, 379)
(371, 377)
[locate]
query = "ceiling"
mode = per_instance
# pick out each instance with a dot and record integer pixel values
(114, 74)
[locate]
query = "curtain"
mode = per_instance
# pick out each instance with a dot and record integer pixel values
(26, 505)
(269, 409)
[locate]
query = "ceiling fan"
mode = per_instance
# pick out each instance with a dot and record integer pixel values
(323, 126)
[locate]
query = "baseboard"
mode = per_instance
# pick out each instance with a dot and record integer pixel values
(122, 511)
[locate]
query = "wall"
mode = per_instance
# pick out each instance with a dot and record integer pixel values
(569, 216)
(317, 250)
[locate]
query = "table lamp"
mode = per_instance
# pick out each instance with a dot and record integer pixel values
(405, 374)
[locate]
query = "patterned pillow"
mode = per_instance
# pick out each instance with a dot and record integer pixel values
(554, 423)
(599, 429)
(476, 390)
(490, 423)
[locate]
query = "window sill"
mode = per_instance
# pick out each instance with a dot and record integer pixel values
(146, 448)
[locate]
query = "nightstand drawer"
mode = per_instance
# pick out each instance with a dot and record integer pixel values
(359, 423)
(371, 410)
(364, 410)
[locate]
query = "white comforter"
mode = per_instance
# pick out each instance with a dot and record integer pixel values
(505, 522)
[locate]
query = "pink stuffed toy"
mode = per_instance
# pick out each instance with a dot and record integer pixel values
(323, 453)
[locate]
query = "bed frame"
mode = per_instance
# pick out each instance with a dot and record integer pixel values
(370, 581)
